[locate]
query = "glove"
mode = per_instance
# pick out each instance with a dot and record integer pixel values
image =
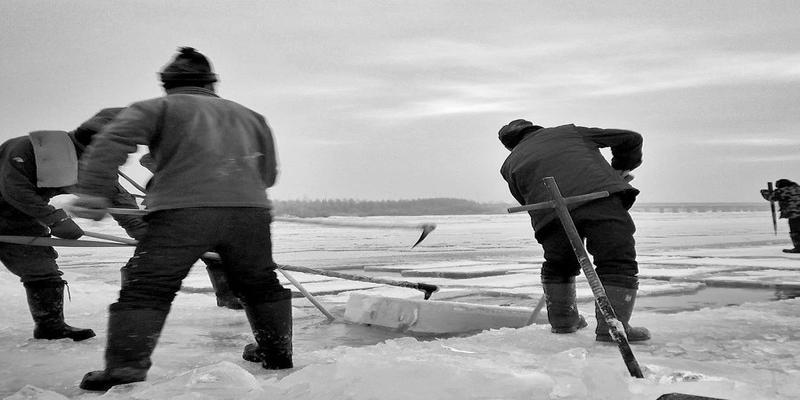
(148, 162)
(90, 207)
(626, 175)
(135, 228)
(765, 194)
(64, 227)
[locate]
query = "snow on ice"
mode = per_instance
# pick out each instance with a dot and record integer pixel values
(717, 294)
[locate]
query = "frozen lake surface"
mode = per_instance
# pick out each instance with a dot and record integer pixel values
(716, 292)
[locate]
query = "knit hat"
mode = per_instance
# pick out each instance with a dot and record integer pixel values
(93, 125)
(781, 183)
(188, 68)
(511, 134)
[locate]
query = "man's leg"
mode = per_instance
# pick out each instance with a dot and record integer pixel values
(175, 239)
(39, 273)
(794, 234)
(219, 281)
(609, 230)
(247, 253)
(558, 279)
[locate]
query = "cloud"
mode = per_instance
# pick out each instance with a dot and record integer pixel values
(416, 77)
(779, 158)
(751, 141)
(698, 70)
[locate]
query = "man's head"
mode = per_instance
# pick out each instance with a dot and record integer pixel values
(188, 68)
(782, 183)
(85, 132)
(511, 134)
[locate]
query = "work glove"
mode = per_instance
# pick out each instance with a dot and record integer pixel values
(766, 194)
(135, 227)
(626, 175)
(90, 207)
(61, 225)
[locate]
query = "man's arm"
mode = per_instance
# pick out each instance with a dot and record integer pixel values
(134, 225)
(110, 148)
(626, 146)
(270, 167)
(18, 184)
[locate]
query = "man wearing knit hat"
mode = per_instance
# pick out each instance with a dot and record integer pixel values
(571, 155)
(34, 169)
(214, 160)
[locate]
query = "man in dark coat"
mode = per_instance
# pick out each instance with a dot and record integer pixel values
(33, 170)
(787, 194)
(571, 155)
(214, 160)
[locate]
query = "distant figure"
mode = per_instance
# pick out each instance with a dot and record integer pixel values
(787, 194)
(34, 169)
(213, 162)
(571, 155)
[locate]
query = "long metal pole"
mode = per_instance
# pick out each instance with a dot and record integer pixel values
(216, 256)
(615, 327)
(307, 295)
(537, 310)
(426, 288)
(772, 209)
(131, 181)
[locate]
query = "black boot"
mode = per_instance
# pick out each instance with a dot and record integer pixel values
(225, 297)
(622, 301)
(46, 303)
(562, 308)
(271, 321)
(795, 241)
(132, 336)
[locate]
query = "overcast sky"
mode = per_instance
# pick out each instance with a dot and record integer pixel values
(402, 100)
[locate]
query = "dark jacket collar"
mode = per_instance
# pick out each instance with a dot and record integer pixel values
(191, 90)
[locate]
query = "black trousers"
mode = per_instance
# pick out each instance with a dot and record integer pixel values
(794, 225)
(607, 228)
(176, 239)
(29, 263)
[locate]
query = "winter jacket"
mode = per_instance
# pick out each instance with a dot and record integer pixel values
(23, 204)
(571, 155)
(788, 198)
(208, 151)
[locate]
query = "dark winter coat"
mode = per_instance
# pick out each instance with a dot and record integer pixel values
(571, 155)
(208, 151)
(24, 205)
(788, 198)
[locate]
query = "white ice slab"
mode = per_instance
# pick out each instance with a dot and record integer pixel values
(461, 272)
(435, 317)
(758, 278)
(657, 271)
(727, 251)
(775, 263)
(427, 265)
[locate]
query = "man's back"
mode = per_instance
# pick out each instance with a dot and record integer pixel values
(208, 151)
(571, 155)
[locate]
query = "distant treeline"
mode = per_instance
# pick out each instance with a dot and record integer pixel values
(449, 206)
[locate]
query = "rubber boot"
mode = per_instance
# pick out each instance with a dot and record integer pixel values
(562, 308)
(132, 336)
(795, 241)
(225, 297)
(46, 303)
(622, 301)
(271, 321)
